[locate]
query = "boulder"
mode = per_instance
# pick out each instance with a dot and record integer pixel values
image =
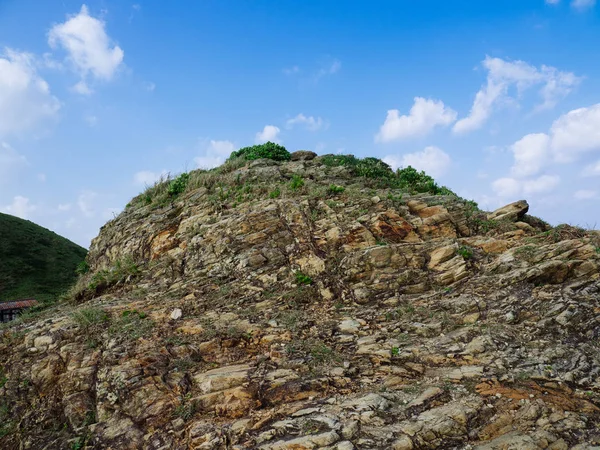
(303, 155)
(513, 211)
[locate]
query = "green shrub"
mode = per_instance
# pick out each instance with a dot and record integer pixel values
(339, 160)
(303, 279)
(408, 178)
(275, 193)
(82, 268)
(373, 168)
(296, 183)
(465, 251)
(412, 180)
(178, 185)
(268, 150)
(334, 190)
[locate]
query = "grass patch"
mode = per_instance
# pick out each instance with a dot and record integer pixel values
(90, 284)
(316, 352)
(131, 325)
(526, 253)
(296, 183)
(186, 409)
(92, 322)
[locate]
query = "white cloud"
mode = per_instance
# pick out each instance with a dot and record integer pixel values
(149, 86)
(25, 98)
(90, 50)
(558, 85)
(545, 183)
(575, 133)
(571, 135)
(512, 187)
(147, 178)
(42, 177)
(64, 207)
(10, 161)
(585, 194)
(82, 88)
(221, 148)
(91, 120)
(583, 4)
(20, 207)
(506, 187)
(312, 124)
(85, 202)
(424, 116)
(269, 133)
(531, 154)
(208, 162)
(577, 4)
(291, 70)
(330, 68)
(432, 160)
(592, 170)
(215, 154)
(502, 75)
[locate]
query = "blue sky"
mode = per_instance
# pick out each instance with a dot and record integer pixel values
(499, 100)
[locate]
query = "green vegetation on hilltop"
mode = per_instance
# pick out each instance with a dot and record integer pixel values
(408, 178)
(35, 262)
(267, 150)
(226, 186)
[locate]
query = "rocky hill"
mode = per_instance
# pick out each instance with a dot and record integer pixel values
(317, 303)
(34, 261)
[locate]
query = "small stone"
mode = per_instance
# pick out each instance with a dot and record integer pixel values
(403, 443)
(176, 314)
(345, 445)
(349, 326)
(425, 397)
(471, 318)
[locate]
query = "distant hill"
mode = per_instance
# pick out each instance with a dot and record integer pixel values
(35, 262)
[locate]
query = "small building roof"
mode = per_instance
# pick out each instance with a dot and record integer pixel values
(18, 304)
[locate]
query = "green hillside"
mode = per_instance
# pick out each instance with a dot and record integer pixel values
(34, 261)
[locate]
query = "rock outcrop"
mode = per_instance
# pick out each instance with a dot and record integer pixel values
(255, 311)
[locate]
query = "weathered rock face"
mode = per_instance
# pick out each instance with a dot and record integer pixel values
(247, 314)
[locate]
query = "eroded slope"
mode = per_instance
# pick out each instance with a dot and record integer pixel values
(295, 306)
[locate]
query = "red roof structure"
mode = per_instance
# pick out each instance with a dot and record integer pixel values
(18, 304)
